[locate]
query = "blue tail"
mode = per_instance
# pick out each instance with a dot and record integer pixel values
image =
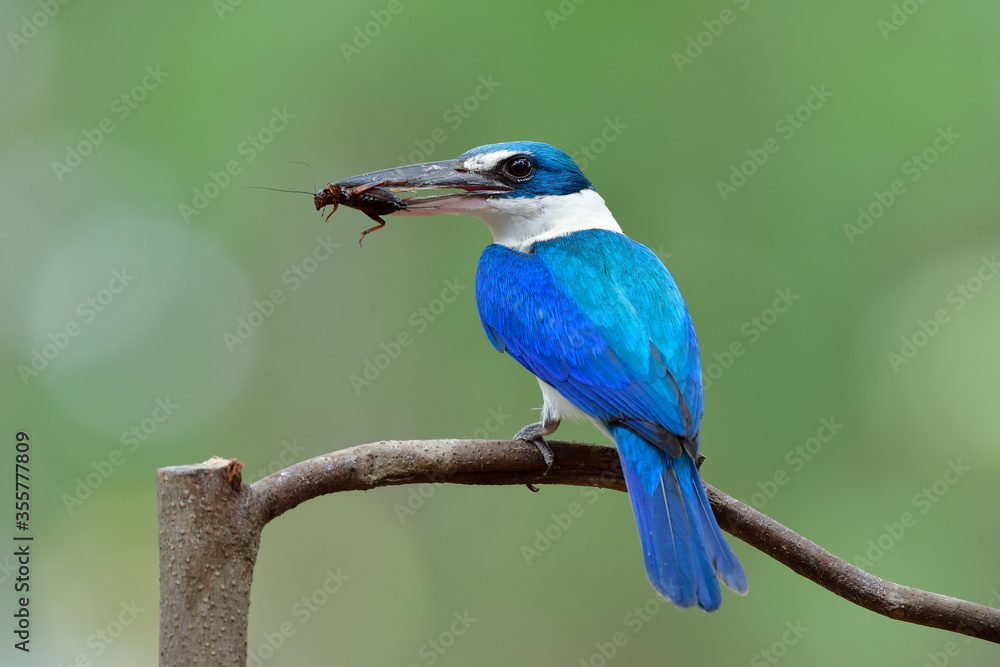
(681, 541)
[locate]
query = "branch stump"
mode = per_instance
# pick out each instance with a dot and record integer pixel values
(210, 524)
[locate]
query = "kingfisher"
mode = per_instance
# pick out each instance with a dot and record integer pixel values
(599, 321)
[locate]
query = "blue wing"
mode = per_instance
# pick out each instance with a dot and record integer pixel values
(597, 316)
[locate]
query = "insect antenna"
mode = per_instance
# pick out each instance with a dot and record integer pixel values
(261, 187)
(301, 192)
(310, 171)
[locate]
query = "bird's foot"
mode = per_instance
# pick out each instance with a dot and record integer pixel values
(535, 434)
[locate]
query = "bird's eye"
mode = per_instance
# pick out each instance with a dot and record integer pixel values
(519, 168)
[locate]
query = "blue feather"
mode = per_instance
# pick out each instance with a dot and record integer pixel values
(556, 173)
(584, 313)
(597, 316)
(682, 544)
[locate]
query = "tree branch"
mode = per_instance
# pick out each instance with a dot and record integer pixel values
(394, 462)
(208, 548)
(503, 462)
(835, 574)
(210, 524)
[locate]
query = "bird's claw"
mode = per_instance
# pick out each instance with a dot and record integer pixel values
(535, 434)
(546, 452)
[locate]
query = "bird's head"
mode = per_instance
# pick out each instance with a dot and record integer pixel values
(525, 191)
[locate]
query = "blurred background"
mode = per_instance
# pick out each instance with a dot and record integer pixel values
(821, 179)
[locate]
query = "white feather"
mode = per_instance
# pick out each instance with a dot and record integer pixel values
(488, 161)
(557, 407)
(521, 222)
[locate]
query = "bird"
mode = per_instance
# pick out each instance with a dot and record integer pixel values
(598, 319)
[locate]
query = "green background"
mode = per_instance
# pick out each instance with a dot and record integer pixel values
(287, 388)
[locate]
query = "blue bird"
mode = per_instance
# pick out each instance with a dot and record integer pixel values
(599, 321)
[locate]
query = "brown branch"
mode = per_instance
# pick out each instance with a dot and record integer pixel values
(835, 574)
(395, 462)
(238, 519)
(503, 462)
(208, 548)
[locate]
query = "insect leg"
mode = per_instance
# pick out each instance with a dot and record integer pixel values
(335, 205)
(380, 225)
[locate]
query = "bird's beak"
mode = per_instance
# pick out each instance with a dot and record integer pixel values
(472, 189)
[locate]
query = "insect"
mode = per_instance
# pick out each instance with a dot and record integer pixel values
(372, 200)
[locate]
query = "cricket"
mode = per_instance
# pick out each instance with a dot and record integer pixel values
(373, 200)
